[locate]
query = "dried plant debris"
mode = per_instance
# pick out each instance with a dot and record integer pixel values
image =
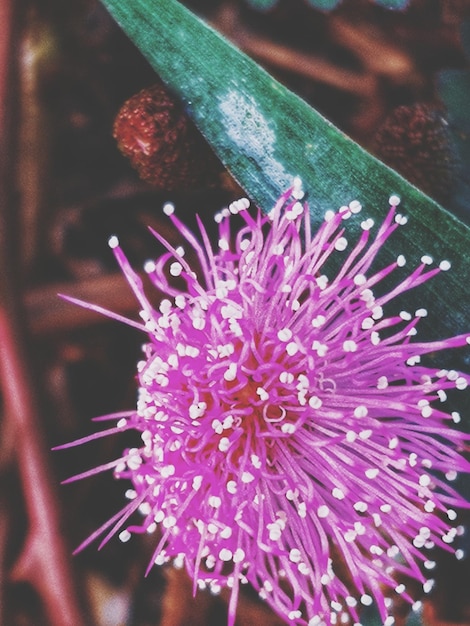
(162, 143)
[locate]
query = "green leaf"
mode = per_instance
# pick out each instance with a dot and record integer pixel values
(262, 5)
(393, 4)
(327, 5)
(454, 89)
(265, 135)
(324, 5)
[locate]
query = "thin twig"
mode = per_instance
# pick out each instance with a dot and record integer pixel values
(309, 66)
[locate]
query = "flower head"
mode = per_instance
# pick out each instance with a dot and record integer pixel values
(290, 435)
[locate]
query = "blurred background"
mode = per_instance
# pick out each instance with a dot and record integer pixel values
(398, 82)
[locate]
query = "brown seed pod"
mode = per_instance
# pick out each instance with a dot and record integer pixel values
(415, 141)
(162, 143)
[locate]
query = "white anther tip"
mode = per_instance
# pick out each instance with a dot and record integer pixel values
(113, 242)
(168, 208)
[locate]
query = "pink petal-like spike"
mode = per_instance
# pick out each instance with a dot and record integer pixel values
(103, 311)
(98, 435)
(95, 470)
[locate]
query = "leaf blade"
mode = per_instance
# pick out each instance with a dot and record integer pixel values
(265, 135)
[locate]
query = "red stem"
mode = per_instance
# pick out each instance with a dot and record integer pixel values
(44, 561)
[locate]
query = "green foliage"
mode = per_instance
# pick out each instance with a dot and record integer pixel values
(327, 5)
(265, 135)
(454, 89)
(393, 4)
(262, 5)
(324, 5)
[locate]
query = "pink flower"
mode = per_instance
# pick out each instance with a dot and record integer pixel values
(290, 436)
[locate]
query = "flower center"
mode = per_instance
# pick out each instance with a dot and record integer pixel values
(262, 397)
